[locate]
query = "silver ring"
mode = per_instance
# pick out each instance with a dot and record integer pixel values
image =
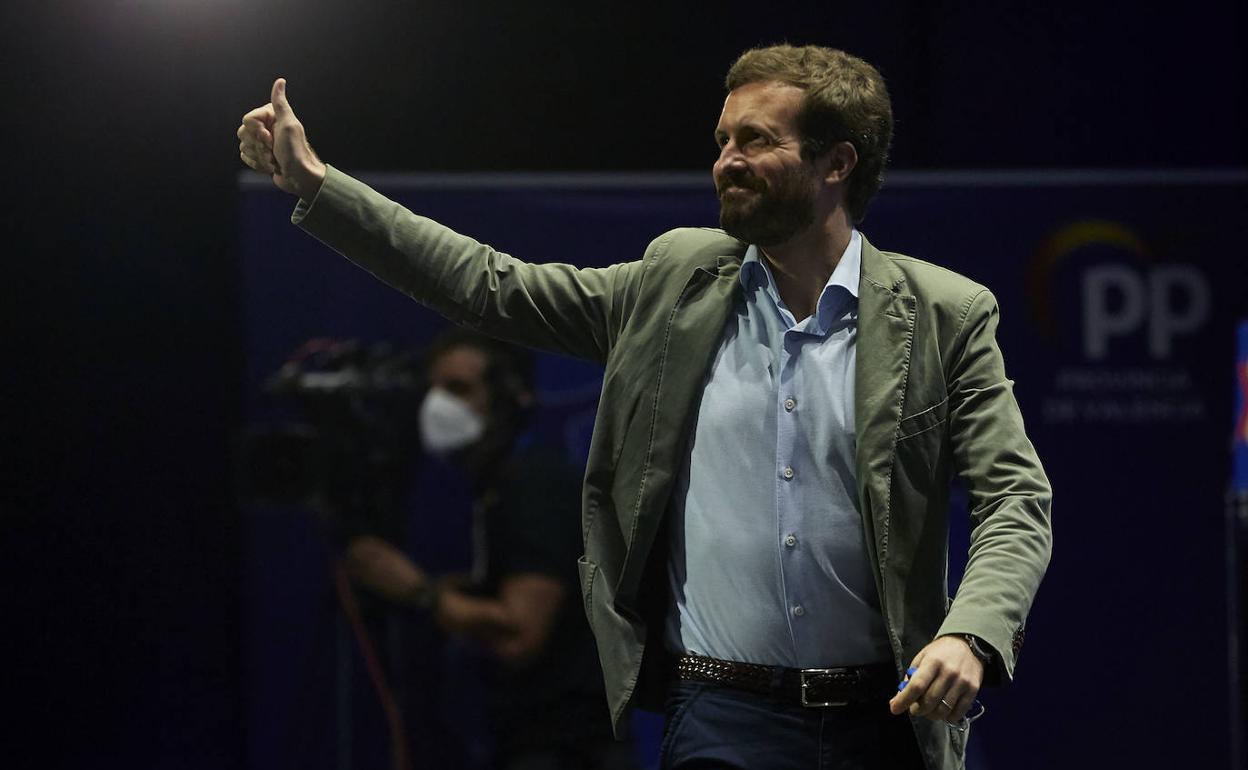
(945, 703)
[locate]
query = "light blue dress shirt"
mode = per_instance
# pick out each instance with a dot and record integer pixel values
(768, 560)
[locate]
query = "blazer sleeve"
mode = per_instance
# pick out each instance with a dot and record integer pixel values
(1009, 494)
(557, 307)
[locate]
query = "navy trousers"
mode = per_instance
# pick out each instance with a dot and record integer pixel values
(711, 727)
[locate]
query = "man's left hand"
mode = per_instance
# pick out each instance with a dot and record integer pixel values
(945, 680)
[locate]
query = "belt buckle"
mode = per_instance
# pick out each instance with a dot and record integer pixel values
(806, 685)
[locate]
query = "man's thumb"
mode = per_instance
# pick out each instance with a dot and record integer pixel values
(280, 105)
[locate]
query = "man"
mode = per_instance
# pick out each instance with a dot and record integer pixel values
(544, 699)
(782, 409)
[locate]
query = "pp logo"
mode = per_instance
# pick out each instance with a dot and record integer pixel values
(1161, 302)
(1166, 301)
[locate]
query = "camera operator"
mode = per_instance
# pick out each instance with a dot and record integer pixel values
(544, 693)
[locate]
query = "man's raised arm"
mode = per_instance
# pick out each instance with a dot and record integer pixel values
(574, 311)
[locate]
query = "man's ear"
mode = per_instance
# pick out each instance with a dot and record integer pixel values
(841, 161)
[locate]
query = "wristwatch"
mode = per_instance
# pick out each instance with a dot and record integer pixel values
(978, 649)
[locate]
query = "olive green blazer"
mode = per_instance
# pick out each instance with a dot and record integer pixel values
(932, 395)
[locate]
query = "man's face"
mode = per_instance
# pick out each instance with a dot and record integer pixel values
(461, 372)
(766, 191)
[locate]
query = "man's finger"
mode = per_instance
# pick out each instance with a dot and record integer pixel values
(261, 160)
(259, 163)
(254, 133)
(913, 689)
(944, 707)
(961, 707)
(899, 704)
(281, 107)
(938, 701)
(257, 154)
(263, 116)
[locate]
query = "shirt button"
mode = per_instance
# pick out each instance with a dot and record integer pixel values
(790, 541)
(799, 610)
(789, 404)
(787, 472)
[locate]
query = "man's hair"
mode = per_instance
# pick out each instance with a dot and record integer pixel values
(845, 101)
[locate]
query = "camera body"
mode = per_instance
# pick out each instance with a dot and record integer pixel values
(350, 449)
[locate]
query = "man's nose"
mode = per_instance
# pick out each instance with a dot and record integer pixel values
(730, 158)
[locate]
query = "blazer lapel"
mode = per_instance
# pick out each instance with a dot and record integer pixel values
(886, 316)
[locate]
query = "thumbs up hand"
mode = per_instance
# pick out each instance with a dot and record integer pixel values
(272, 140)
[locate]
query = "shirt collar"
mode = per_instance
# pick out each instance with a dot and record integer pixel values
(849, 270)
(833, 302)
(755, 273)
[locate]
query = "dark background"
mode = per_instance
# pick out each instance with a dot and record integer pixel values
(123, 552)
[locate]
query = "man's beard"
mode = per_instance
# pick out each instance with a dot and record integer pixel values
(770, 215)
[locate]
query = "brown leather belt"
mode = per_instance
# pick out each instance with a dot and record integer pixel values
(811, 687)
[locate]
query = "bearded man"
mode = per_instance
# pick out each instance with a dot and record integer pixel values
(765, 506)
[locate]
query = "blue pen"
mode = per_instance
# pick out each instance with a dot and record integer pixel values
(909, 673)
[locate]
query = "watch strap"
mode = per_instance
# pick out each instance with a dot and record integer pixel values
(978, 649)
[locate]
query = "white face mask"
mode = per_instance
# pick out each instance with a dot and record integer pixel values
(447, 423)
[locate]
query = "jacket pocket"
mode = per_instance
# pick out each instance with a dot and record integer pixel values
(925, 420)
(957, 738)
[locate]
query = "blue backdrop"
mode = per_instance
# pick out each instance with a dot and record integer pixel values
(1119, 294)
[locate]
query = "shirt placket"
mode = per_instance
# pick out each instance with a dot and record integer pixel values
(788, 484)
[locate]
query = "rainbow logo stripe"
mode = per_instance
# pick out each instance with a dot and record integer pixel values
(1058, 247)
